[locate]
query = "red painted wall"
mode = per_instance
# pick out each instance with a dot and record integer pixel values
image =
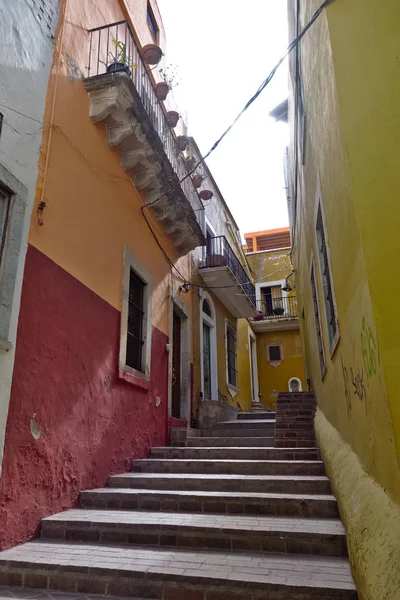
(92, 423)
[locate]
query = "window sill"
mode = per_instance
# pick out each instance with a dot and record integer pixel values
(134, 377)
(5, 345)
(233, 390)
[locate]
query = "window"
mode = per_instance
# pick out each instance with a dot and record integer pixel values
(207, 308)
(152, 23)
(330, 311)
(134, 342)
(274, 353)
(271, 300)
(136, 326)
(231, 356)
(317, 322)
(4, 219)
(208, 349)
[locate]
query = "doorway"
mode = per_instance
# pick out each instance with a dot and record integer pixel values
(208, 349)
(253, 367)
(176, 365)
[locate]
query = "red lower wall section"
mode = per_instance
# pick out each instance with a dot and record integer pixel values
(91, 422)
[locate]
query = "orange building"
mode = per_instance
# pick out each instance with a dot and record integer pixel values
(103, 359)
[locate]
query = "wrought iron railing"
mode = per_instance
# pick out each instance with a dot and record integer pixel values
(284, 307)
(115, 44)
(220, 254)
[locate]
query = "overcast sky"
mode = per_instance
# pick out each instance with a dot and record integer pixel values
(224, 49)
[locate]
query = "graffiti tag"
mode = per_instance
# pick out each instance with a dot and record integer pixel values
(369, 350)
(347, 392)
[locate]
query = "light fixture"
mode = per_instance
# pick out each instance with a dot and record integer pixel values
(185, 287)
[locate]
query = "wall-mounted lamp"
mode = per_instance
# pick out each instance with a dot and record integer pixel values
(185, 287)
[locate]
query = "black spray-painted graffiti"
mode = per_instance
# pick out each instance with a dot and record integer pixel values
(347, 393)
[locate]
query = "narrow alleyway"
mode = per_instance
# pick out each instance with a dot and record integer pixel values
(225, 516)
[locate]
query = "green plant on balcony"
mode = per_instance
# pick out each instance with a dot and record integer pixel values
(278, 311)
(118, 60)
(170, 76)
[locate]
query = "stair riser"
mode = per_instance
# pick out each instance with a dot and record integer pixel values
(224, 485)
(247, 442)
(265, 432)
(237, 454)
(197, 538)
(244, 424)
(280, 507)
(237, 468)
(256, 415)
(158, 587)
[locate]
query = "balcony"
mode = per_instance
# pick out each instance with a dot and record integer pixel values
(276, 313)
(123, 97)
(221, 270)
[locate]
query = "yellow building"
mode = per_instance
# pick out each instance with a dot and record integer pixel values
(276, 326)
(343, 182)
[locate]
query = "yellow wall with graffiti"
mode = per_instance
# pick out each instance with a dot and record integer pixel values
(351, 167)
(275, 378)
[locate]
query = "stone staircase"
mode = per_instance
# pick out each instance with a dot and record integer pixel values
(240, 511)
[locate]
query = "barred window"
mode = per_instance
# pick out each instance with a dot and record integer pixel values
(231, 354)
(274, 353)
(326, 277)
(317, 322)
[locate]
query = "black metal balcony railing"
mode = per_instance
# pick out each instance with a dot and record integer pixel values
(277, 308)
(220, 254)
(114, 44)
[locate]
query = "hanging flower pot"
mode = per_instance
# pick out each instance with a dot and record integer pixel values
(172, 118)
(206, 194)
(190, 163)
(162, 90)
(182, 142)
(197, 181)
(152, 54)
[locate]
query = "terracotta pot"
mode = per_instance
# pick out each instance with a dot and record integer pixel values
(152, 54)
(182, 142)
(190, 163)
(206, 194)
(162, 90)
(197, 181)
(172, 118)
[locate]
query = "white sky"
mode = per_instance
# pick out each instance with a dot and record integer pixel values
(224, 49)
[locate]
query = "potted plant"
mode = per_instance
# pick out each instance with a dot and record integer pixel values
(182, 142)
(278, 311)
(152, 54)
(190, 162)
(172, 118)
(197, 180)
(118, 61)
(206, 194)
(169, 77)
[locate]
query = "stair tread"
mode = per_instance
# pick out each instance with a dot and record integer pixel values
(201, 521)
(225, 461)
(200, 567)
(240, 448)
(212, 494)
(14, 593)
(219, 476)
(252, 421)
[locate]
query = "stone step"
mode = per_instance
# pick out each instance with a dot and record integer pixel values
(295, 505)
(263, 424)
(11, 593)
(237, 453)
(175, 574)
(228, 467)
(238, 432)
(256, 415)
(296, 484)
(237, 442)
(181, 530)
(294, 443)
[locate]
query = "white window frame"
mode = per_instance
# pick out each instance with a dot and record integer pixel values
(131, 262)
(212, 324)
(323, 365)
(17, 195)
(264, 284)
(233, 389)
(319, 205)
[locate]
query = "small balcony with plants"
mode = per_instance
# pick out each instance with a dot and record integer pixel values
(124, 97)
(276, 313)
(222, 271)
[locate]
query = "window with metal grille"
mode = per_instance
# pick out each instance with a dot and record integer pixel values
(274, 353)
(231, 354)
(152, 23)
(317, 323)
(4, 218)
(326, 277)
(136, 316)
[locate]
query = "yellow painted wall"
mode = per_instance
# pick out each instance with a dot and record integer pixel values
(353, 161)
(93, 208)
(275, 379)
(270, 265)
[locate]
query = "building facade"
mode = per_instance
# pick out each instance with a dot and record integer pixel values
(343, 182)
(103, 359)
(276, 326)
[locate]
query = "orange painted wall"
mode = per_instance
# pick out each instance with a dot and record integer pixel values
(93, 208)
